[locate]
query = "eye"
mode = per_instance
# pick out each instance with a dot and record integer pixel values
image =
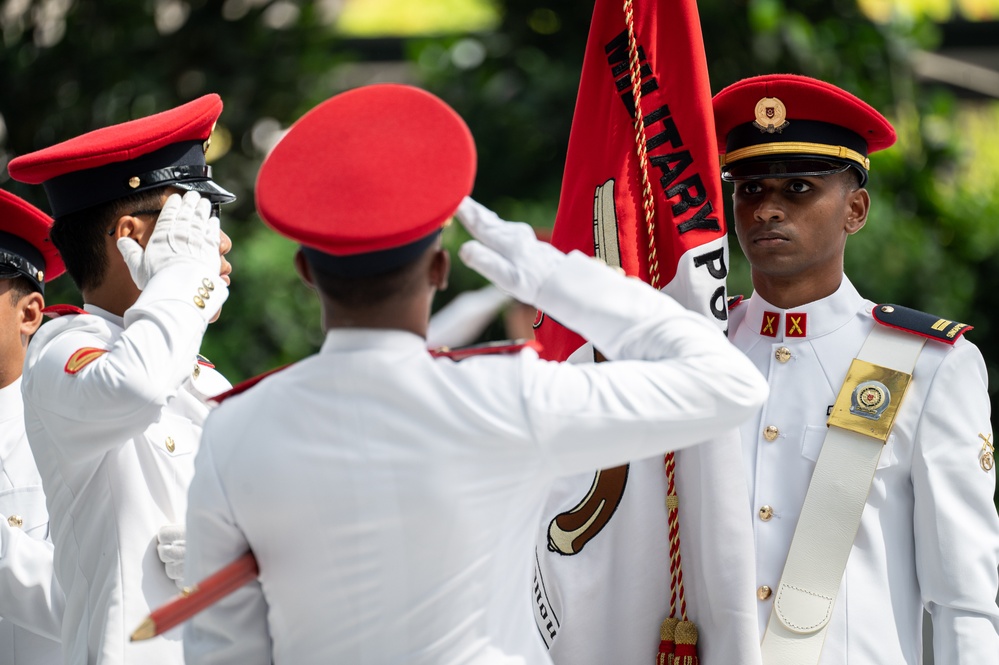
(798, 186)
(749, 187)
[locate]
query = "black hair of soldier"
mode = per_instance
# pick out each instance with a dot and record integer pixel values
(19, 288)
(366, 292)
(80, 236)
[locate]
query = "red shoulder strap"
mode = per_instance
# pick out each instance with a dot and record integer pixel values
(245, 385)
(55, 311)
(487, 349)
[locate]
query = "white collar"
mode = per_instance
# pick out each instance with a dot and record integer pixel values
(808, 321)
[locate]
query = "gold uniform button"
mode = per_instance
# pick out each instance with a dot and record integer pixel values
(199, 302)
(197, 371)
(208, 284)
(170, 445)
(766, 512)
(203, 292)
(763, 592)
(15, 521)
(782, 354)
(771, 433)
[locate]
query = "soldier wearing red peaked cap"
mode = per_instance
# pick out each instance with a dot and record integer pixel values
(114, 395)
(426, 471)
(871, 466)
(31, 601)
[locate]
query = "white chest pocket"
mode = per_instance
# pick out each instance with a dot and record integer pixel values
(24, 508)
(811, 445)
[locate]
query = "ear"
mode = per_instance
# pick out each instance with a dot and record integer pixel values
(303, 269)
(30, 314)
(440, 269)
(137, 228)
(859, 204)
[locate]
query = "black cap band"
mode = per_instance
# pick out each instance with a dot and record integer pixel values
(180, 164)
(19, 258)
(369, 264)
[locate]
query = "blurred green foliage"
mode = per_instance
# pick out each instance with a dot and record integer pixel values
(67, 67)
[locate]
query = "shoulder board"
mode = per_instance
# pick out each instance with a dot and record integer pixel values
(205, 361)
(55, 311)
(504, 347)
(926, 325)
(734, 301)
(245, 385)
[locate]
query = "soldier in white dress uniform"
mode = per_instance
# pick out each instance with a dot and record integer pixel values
(114, 393)
(420, 478)
(31, 603)
(928, 535)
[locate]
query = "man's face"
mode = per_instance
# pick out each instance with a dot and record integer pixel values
(796, 227)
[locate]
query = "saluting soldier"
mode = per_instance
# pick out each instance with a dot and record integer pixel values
(870, 467)
(31, 602)
(114, 394)
(401, 491)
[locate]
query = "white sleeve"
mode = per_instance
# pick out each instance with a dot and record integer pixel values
(955, 523)
(30, 597)
(233, 630)
(125, 386)
(690, 385)
(463, 319)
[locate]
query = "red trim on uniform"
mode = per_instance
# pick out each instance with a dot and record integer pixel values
(768, 328)
(539, 318)
(489, 349)
(245, 385)
(83, 357)
(734, 302)
(55, 311)
(795, 324)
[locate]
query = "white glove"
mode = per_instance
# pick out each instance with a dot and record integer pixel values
(170, 547)
(506, 253)
(184, 231)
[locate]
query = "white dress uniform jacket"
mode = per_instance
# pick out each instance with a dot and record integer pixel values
(397, 520)
(31, 602)
(929, 534)
(115, 446)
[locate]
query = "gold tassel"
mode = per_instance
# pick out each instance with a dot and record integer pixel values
(667, 633)
(686, 644)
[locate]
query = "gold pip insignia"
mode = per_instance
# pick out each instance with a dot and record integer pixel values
(771, 115)
(987, 457)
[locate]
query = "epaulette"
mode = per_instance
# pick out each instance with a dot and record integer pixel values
(486, 349)
(734, 301)
(55, 311)
(245, 385)
(926, 325)
(205, 361)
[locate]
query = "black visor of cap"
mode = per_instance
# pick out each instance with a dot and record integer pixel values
(181, 165)
(19, 258)
(369, 264)
(782, 167)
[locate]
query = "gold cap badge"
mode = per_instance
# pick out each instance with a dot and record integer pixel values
(771, 116)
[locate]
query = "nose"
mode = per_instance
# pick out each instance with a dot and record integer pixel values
(769, 208)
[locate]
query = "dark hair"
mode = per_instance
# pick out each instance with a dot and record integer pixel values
(20, 287)
(80, 236)
(366, 292)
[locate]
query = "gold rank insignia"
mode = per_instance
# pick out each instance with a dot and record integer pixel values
(987, 457)
(83, 357)
(771, 115)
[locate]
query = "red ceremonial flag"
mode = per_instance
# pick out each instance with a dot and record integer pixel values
(603, 184)
(641, 190)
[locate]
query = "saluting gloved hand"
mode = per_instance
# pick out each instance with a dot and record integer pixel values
(508, 254)
(171, 545)
(184, 231)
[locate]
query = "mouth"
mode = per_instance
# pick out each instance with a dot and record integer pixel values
(770, 239)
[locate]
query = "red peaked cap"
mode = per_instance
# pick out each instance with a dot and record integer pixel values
(368, 177)
(25, 248)
(113, 162)
(778, 124)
